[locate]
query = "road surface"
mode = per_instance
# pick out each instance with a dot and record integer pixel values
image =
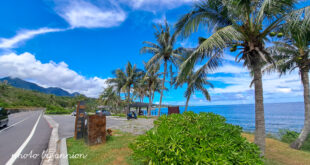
(27, 136)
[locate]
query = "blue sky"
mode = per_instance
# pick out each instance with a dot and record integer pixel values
(76, 44)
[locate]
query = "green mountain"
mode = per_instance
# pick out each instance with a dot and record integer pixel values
(19, 83)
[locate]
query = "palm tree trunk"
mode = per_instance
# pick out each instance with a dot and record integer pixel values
(128, 100)
(306, 130)
(162, 88)
(150, 102)
(186, 105)
(259, 109)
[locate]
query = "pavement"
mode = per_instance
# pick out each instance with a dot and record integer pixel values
(27, 136)
(135, 126)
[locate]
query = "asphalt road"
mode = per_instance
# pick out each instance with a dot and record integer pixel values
(26, 136)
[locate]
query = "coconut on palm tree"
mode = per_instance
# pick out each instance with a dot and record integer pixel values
(126, 80)
(294, 53)
(163, 52)
(242, 25)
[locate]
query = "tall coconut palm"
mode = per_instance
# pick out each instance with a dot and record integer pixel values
(152, 80)
(195, 81)
(163, 52)
(243, 25)
(294, 53)
(128, 79)
(118, 81)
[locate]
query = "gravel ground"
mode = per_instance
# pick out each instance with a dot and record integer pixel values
(134, 126)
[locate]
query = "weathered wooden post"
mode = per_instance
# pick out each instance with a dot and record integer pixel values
(79, 120)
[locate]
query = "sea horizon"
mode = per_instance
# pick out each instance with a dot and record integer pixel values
(278, 116)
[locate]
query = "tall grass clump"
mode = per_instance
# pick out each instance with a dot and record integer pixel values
(192, 138)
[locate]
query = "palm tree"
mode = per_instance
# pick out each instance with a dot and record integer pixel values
(163, 52)
(110, 97)
(118, 81)
(291, 54)
(128, 79)
(152, 80)
(243, 25)
(194, 81)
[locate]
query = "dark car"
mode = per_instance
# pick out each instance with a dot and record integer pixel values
(3, 117)
(103, 112)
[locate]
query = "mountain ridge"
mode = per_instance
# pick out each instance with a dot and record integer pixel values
(20, 83)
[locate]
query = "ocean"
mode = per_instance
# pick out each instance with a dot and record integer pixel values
(277, 115)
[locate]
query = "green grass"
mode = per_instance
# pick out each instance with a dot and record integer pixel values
(115, 151)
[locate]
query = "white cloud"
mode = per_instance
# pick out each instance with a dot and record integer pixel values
(154, 5)
(26, 66)
(79, 13)
(6, 43)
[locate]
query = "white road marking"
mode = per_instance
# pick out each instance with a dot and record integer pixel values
(14, 124)
(21, 148)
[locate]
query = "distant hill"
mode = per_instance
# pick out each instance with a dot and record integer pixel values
(19, 83)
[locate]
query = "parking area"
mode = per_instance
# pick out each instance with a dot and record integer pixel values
(134, 126)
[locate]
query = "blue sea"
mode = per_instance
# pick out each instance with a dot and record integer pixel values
(277, 115)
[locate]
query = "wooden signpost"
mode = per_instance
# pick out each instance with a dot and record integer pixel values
(80, 120)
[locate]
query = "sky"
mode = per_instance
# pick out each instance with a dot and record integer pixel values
(76, 44)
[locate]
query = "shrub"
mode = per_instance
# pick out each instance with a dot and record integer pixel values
(51, 109)
(192, 138)
(288, 136)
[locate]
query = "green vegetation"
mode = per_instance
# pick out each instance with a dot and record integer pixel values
(194, 139)
(114, 152)
(11, 97)
(288, 136)
(51, 109)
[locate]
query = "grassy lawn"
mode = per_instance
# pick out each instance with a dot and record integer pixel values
(116, 151)
(278, 153)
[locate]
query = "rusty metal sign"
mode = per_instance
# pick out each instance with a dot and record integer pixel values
(172, 110)
(95, 129)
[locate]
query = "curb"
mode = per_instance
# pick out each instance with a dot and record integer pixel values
(63, 151)
(52, 152)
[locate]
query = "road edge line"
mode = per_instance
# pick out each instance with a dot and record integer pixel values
(22, 147)
(52, 154)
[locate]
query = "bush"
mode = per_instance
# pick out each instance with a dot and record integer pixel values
(192, 138)
(288, 136)
(57, 110)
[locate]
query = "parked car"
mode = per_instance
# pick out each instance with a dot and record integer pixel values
(103, 112)
(4, 119)
(73, 113)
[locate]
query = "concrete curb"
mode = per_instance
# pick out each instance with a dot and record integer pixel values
(63, 151)
(52, 153)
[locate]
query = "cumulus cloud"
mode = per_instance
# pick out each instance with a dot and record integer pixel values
(79, 13)
(6, 43)
(26, 66)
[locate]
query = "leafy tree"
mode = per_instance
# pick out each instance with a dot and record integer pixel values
(163, 52)
(294, 53)
(243, 25)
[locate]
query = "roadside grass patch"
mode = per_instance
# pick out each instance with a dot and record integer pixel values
(115, 151)
(280, 153)
(51, 109)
